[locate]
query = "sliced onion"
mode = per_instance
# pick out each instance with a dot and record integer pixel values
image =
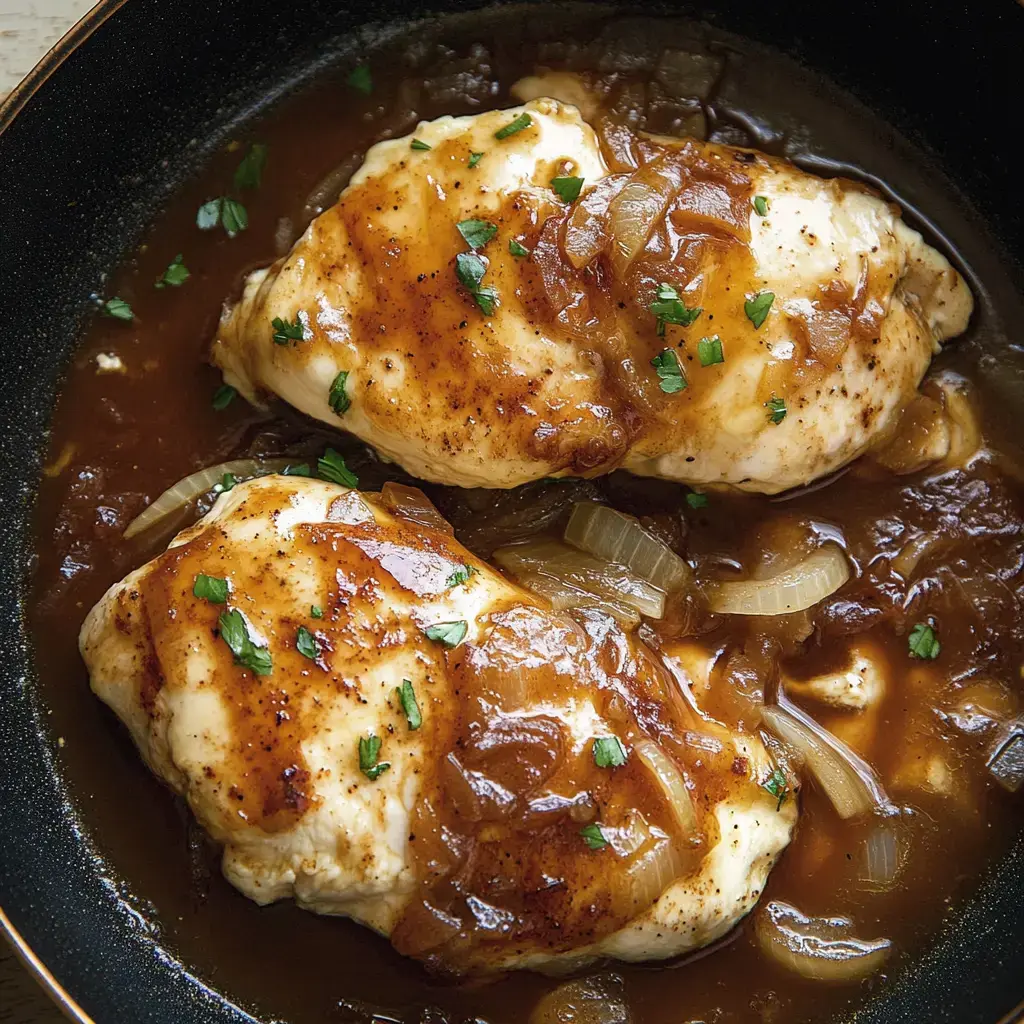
(1007, 763)
(412, 504)
(819, 948)
(617, 537)
(883, 857)
(586, 229)
(564, 596)
(636, 211)
(587, 573)
(822, 573)
(846, 779)
(597, 1000)
(630, 837)
(673, 785)
(654, 871)
(197, 484)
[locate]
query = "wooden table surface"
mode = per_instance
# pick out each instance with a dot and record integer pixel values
(28, 28)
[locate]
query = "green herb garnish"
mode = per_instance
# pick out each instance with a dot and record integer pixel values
(460, 575)
(235, 633)
(477, 233)
(757, 307)
(451, 634)
(567, 189)
(670, 373)
(517, 250)
(470, 269)
(776, 409)
(609, 752)
(475, 158)
(316, 611)
(223, 397)
(709, 351)
(229, 213)
(210, 588)
(522, 121)
(778, 785)
(331, 466)
(249, 173)
(696, 500)
(593, 837)
(369, 751)
(285, 330)
(760, 206)
(670, 309)
(923, 642)
(117, 308)
(297, 469)
(307, 644)
(336, 397)
(227, 482)
(361, 80)
(407, 698)
(175, 275)
(419, 145)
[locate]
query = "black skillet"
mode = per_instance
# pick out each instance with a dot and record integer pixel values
(106, 120)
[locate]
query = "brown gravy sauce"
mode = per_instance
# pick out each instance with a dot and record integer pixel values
(120, 438)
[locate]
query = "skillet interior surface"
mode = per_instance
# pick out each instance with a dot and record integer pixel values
(100, 145)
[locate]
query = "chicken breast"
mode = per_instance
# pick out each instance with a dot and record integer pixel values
(376, 723)
(700, 313)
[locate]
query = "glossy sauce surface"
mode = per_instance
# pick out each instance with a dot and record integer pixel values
(120, 439)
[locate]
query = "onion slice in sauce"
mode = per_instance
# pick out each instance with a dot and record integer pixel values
(846, 779)
(564, 596)
(617, 537)
(672, 784)
(818, 948)
(412, 504)
(653, 871)
(819, 575)
(197, 484)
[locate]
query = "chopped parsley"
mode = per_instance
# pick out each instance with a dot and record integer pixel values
(307, 644)
(567, 189)
(175, 275)
(316, 611)
(475, 158)
(210, 588)
(477, 233)
(709, 351)
(117, 308)
(593, 837)
(757, 307)
(470, 269)
(336, 397)
(331, 466)
(230, 214)
(407, 697)
(227, 483)
(460, 575)
(522, 121)
(778, 785)
(517, 249)
(249, 173)
(923, 643)
(296, 469)
(285, 330)
(361, 80)
(670, 309)
(776, 409)
(369, 753)
(223, 397)
(696, 500)
(670, 373)
(609, 752)
(760, 206)
(451, 634)
(420, 146)
(235, 633)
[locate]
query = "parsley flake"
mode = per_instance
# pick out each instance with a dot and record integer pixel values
(670, 373)
(922, 642)
(210, 588)
(522, 121)
(709, 351)
(227, 483)
(249, 173)
(470, 269)
(235, 633)
(369, 752)
(760, 206)
(593, 837)
(670, 309)
(331, 466)
(475, 158)
(336, 397)
(567, 189)
(223, 397)
(285, 330)
(517, 249)
(451, 634)
(118, 309)
(420, 146)
(609, 752)
(316, 611)
(230, 214)
(175, 275)
(696, 500)
(407, 698)
(757, 308)
(361, 80)
(776, 409)
(778, 785)
(460, 575)
(306, 644)
(477, 233)
(296, 469)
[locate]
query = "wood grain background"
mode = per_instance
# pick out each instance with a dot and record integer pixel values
(28, 28)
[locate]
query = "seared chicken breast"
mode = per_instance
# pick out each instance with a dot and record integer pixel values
(509, 296)
(374, 722)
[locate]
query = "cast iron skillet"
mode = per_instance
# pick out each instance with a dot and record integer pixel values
(105, 121)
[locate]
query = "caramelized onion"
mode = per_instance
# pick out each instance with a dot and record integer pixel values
(618, 537)
(412, 504)
(883, 857)
(672, 784)
(585, 572)
(596, 1000)
(820, 574)
(819, 948)
(654, 871)
(633, 216)
(586, 230)
(564, 596)
(197, 484)
(846, 779)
